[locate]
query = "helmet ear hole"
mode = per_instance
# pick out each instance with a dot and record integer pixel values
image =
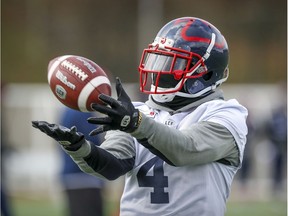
(208, 75)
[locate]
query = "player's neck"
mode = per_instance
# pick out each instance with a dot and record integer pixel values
(180, 104)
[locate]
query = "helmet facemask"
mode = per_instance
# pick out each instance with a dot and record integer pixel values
(164, 69)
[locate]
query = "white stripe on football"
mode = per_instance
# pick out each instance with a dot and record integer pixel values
(77, 81)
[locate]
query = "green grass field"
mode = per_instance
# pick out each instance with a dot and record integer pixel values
(256, 209)
(22, 207)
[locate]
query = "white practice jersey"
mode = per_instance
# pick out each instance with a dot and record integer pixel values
(154, 187)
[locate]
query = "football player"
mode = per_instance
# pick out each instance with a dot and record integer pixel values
(180, 150)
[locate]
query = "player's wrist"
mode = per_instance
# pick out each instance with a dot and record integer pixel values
(83, 151)
(140, 117)
(143, 123)
(135, 122)
(75, 145)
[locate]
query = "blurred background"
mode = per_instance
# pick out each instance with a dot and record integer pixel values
(113, 34)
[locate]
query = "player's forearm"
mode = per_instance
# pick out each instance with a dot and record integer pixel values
(199, 144)
(100, 162)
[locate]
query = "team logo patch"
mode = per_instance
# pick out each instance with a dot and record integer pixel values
(125, 121)
(152, 114)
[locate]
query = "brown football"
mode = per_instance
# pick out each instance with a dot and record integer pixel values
(77, 81)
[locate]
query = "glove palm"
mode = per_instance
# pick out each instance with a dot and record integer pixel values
(65, 136)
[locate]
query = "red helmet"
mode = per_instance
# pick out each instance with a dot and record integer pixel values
(188, 58)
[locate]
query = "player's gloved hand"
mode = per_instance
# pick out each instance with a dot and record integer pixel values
(68, 138)
(121, 114)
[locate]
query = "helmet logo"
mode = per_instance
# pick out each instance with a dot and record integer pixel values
(163, 42)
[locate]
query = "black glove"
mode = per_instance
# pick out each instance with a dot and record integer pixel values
(121, 115)
(65, 136)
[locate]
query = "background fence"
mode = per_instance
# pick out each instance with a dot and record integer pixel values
(32, 164)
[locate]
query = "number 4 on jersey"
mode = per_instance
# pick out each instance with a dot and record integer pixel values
(158, 181)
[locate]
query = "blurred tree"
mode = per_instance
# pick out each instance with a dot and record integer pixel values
(34, 32)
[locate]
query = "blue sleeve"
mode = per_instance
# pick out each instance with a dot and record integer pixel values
(107, 165)
(71, 118)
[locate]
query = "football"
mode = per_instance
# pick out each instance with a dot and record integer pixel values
(77, 81)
